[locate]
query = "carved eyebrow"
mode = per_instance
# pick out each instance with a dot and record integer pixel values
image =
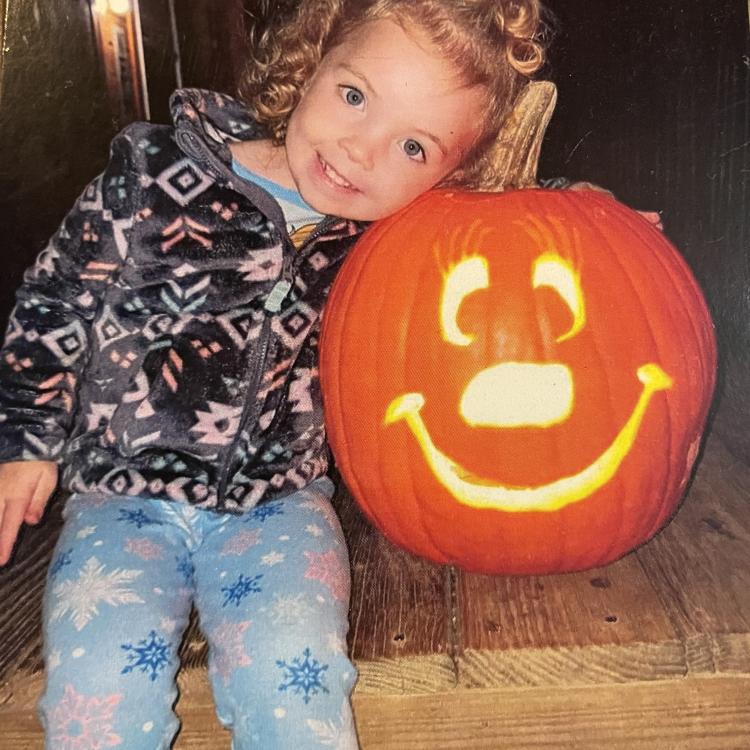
(466, 277)
(555, 272)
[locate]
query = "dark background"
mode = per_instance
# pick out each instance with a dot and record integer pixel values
(654, 105)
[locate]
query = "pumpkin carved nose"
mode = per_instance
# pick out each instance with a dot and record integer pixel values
(518, 394)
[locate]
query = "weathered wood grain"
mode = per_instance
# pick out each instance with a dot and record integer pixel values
(610, 664)
(707, 714)
(689, 714)
(613, 605)
(699, 565)
(21, 588)
(659, 639)
(400, 605)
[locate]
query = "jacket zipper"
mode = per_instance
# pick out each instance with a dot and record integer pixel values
(250, 410)
(252, 407)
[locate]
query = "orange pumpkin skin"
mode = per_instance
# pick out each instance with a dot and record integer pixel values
(636, 303)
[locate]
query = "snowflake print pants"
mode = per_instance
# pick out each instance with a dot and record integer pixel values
(271, 588)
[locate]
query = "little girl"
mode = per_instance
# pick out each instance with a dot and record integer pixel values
(163, 353)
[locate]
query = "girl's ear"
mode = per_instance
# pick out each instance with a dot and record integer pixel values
(515, 153)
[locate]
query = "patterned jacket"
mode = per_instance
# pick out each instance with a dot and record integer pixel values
(165, 342)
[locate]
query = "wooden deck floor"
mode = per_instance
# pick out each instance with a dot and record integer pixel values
(650, 652)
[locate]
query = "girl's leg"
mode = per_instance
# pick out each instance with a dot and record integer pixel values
(115, 606)
(272, 590)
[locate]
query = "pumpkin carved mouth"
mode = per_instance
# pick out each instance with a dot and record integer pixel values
(483, 493)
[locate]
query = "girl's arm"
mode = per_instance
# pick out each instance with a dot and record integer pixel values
(25, 488)
(47, 341)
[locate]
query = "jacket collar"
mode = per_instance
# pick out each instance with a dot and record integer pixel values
(215, 118)
(207, 121)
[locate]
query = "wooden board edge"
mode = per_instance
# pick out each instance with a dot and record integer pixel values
(706, 713)
(693, 713)
(611, 664)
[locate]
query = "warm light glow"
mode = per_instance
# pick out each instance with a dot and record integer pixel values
(468, 276)
(552, 271)
(120, 7)
(482, 493)
(517, 394)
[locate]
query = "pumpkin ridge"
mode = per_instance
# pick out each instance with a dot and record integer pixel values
(642, 306)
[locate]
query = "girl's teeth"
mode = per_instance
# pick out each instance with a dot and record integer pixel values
(335, 177)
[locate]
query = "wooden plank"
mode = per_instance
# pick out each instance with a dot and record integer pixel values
(612, 605)
(689, 714)
(401, 606)
(609, 664)
(692, 580)
(571, 666)
(699, 565)
(21, 585)
(211, 39)
(695, 714)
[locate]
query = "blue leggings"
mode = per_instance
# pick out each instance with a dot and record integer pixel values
(272, 592)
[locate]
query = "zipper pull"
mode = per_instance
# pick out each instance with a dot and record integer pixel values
(276, 296)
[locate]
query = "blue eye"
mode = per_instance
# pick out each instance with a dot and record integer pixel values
(413, 149)
(352, 96)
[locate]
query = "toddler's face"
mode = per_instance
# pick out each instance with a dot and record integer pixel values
(384, 119)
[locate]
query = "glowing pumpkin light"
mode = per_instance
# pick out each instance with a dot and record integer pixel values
(516, 382)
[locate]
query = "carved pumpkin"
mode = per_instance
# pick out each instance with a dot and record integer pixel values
(516, 382)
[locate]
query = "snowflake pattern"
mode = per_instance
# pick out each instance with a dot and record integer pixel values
(287, 610)
(186, 568)
(168, 624)
(241, 542)
(54, 660)
(273, 558)
(80, 597)
(336, 643)
(85, 532)
(326, 568)
(338, 735)
(138, 518)
(304, 676)
(83, 722)
(314, 530)
(144, 548)
(265, 511)
(228, 648)
(60, 562)
(150, 656)
(240, 589)
(325, 510)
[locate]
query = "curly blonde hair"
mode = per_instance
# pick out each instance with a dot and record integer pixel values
(497, 44)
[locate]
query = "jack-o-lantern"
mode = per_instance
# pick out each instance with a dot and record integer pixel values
(516, 382)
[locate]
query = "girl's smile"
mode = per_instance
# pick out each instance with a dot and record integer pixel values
(384, 118)
(328, 175)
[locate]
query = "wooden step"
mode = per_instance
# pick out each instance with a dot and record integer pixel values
(650, 652)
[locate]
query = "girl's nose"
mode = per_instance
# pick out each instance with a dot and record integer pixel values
(358, 150)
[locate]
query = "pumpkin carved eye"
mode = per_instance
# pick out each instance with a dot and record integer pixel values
(470, 275)
(552, 271)
(464, 431)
